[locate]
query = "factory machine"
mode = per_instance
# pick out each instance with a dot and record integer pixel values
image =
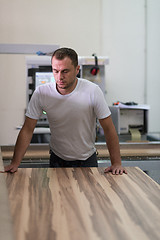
(39, 71)
(131, 121)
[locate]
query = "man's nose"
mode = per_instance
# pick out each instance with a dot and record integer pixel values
(60, 75)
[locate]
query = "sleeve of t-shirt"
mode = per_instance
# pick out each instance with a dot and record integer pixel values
(100, 105)
(34, 109)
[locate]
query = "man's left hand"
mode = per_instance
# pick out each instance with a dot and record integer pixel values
(116, 170)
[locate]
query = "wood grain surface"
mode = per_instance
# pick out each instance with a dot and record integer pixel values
(6, 226)
(83, 203)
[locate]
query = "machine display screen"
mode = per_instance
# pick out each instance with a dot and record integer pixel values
(43, 78)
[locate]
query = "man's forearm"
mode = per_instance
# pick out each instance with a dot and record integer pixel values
(21, 146)
(114, 149)
(112, 142)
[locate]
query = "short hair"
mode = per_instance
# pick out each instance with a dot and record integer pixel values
(61, 53)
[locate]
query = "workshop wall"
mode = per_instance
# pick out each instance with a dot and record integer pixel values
(152, 87)
(69, 23)
(123, 30)
(130, 38)
(12, 96)
(124, 42)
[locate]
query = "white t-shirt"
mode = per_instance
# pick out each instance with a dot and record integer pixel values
(72, 117)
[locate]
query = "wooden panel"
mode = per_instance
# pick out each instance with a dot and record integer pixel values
(6, 228)
(83, 203)
(42, 151)
(132, 152)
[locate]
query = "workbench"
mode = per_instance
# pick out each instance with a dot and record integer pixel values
(78, 203)
(132, 149)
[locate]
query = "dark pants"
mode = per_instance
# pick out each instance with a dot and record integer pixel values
(56, 162)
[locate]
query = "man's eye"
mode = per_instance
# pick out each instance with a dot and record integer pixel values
(55, 71)
(65, 71)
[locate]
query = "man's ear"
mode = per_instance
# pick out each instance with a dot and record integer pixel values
(78, 69)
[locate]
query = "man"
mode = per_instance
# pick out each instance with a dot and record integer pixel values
(72, 106)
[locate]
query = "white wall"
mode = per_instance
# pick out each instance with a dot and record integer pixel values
(71, 23)
(107, 27)
(12, 96)
(131, 37)
(153, 63)
(123, 42)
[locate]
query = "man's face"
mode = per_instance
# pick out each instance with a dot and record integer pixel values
(64, 74)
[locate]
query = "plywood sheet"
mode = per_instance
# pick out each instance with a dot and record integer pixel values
(83, 203)
(131, 150)
(6, 227)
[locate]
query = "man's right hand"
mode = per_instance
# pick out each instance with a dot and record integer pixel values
(11, 168)
(23, 140)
